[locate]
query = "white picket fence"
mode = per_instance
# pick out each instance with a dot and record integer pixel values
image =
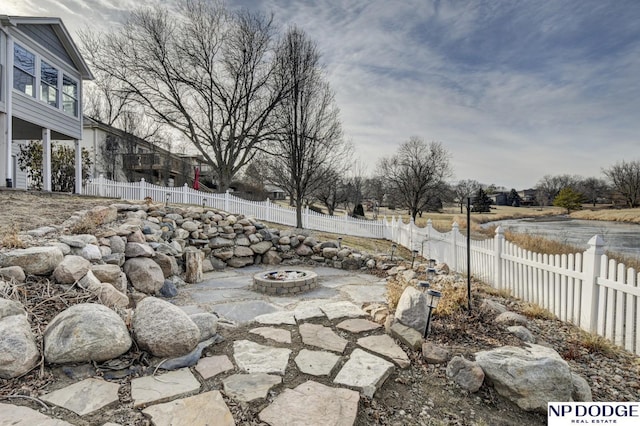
(586, 289)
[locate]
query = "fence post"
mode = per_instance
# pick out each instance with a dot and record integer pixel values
(226, 201)
(305, 219)
(591, 261)
(454, 245)
(185, 187)
(142, 189)
(497, 258)
(429, 229)
(267, 213)
(101, 185)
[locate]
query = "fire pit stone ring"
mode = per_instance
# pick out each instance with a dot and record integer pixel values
(285, 282)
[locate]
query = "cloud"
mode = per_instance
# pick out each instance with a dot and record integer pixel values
(514, 90)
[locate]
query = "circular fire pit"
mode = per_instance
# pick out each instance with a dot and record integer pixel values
(286, 282)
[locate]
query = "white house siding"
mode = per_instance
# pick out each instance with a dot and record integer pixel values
(43, 115)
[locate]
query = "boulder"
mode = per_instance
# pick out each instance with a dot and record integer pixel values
(219, 242)
(10, 307)
(581, 389)
(101, 215)
(467, 374)
(511, 318)
(493, 306)
(207, 324)
(18, 350)
(271, 258)
(91, 252)
(33, 260)
(79, 240)
(241, 251)
(262, 247)
(144, 274)
(304, 250)
(138, 250)
(240, 262)
(117, 244)
(522, 333)
(168, 264)
(329, 252)
(110, 296)
(13, 273)
(71, 269)
(164, 329)
(85, 332)
(168, 289)
(530, 377)
(107, 273)
(434, 354)
(412, 309)
(89, 281)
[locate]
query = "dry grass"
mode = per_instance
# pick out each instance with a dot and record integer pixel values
(597, 344)
(11, 239)
(453, 301)
(395, 288)
(615, 215)
(532, 310)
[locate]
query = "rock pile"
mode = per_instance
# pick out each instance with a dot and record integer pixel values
(128, 255)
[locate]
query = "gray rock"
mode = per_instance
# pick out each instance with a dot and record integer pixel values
(71, 269)
(467, 374)
(33, 260)
(207, 324)
(13, 273)
(107, 273)
(434, 354)
(110, 296)
(511, 318)
(322, 337)
(387, 347)
(11, 307)
(18, 349)
(84, 397)
(189, 226)
(193, 265)
(581, 389)
(255, 358)
(522, 333)
(91, 252)
(261, 247)
(493, 306)
(304, 250)
(168, 289)
(117, 244)
(364, 371)
(164, 329)
(329, 252)
(531, 377)
(78, 241)
(89, 281)
(219, 242)
(42, 231)
(240, 262)
(167, 263)
(412, 309)
(407, 335)
(19, 415)
(155, 388)
(271, 258)
(85, 332)
(144, 274)
(138, 250)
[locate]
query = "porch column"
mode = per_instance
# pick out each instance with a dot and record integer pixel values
(46, 160)
(9, 112)
(78, 189)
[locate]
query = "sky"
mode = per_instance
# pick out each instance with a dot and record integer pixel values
(514, 90)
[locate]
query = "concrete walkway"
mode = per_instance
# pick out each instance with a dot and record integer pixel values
(254, 369)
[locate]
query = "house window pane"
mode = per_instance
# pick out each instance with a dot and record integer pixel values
(69, 95)
(49, 84)
(24, 70)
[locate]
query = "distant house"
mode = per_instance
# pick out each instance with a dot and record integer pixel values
(499, 198)
(41, 74)
(121, 156)
(275, 192)
(527, 197)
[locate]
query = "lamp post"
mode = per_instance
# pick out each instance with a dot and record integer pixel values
(414, 253)
(204, 203)
(432, 263)
(339, 242)
(433, 297)
(393, 249)
(166, 202)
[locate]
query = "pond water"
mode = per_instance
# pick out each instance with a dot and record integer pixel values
(623, 238)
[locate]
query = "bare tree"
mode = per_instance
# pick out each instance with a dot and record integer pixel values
(464, 189)
(593, 189)
(417, 173)
(205, 72)
(550, 186)
(332, 193)
(308, 148)
(625, 180)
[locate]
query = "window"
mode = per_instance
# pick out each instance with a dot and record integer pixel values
(49, 84)
(24, 70)
(69, 95)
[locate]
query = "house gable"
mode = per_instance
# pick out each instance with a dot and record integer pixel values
(45, 35)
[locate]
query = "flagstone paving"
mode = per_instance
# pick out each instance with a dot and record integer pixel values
(254, 370)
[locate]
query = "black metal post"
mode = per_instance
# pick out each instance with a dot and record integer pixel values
(469, 253)
(426, 329)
